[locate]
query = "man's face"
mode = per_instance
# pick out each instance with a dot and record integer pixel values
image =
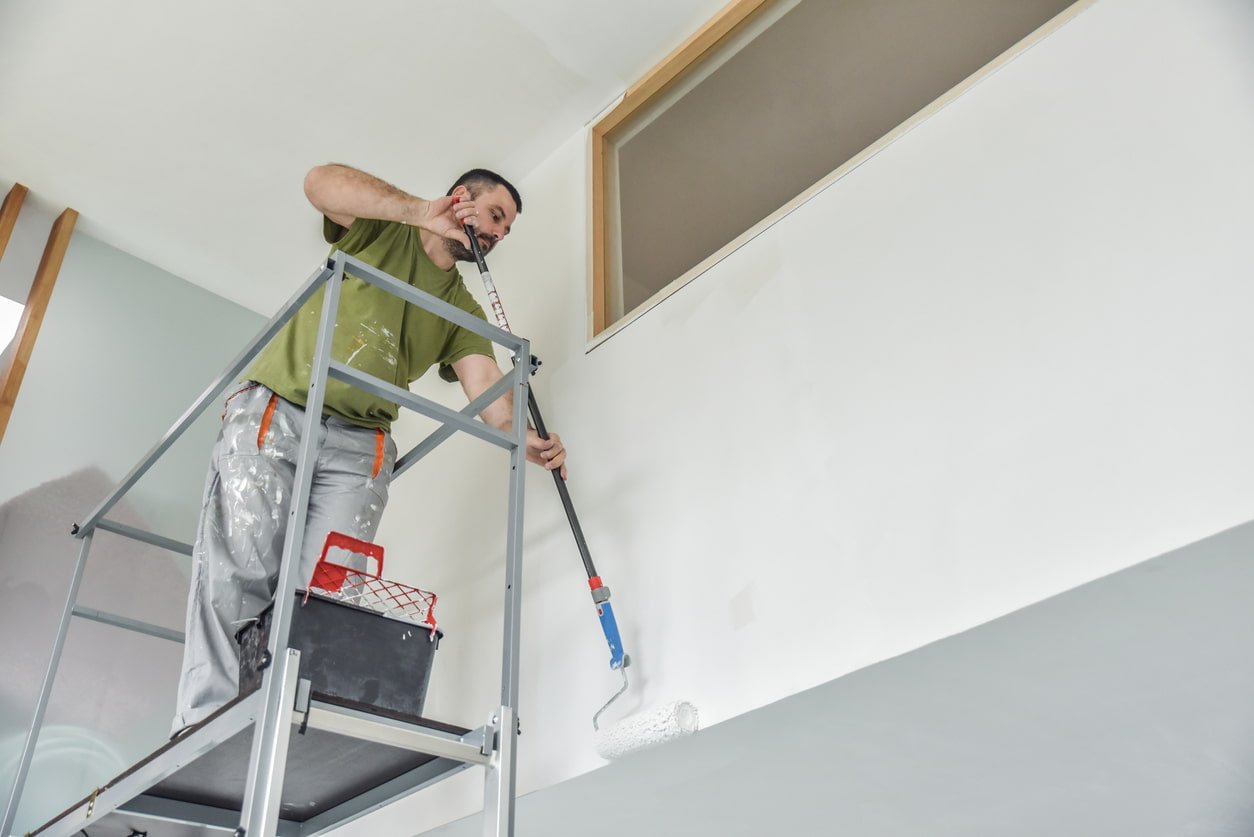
(496, 215)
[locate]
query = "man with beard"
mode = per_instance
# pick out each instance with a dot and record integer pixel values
(247, 497)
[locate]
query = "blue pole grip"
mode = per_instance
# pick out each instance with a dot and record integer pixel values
(608, 624)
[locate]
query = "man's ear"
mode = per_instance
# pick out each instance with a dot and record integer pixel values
(462, 192)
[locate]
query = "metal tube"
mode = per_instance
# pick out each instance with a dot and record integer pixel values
(514, 542)
(144, 775)
(439, 436)
(437, 306)
(263, 795)
(498, 791)
(418, 404)
(363, 726)
(268, 753)
(126, 624)
(187, 817)
(220, 383)
(45, 691)
(106, 525)
(499, 787)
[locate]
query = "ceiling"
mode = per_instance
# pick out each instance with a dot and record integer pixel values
(181, 132)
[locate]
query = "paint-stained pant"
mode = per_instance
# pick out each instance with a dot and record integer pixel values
(243, 521)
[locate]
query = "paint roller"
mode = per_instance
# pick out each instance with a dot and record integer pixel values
(643, 730)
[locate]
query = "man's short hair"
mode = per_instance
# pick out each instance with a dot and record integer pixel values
(477, 180)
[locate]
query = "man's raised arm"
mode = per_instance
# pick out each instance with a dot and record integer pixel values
(344, 194)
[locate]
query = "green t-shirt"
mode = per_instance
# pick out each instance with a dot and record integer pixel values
(376, 332)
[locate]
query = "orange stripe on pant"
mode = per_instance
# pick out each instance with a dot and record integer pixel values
(379, 439)
(265, 420)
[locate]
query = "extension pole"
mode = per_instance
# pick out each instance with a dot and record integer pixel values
(600, 593)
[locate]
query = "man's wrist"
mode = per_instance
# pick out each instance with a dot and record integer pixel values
(413, 212)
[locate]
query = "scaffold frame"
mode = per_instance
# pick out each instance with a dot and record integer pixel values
(283, 700)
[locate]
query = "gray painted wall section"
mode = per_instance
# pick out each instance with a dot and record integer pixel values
(125, 347)
(1122, 707)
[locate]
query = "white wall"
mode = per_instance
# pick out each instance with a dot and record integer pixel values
(1007, 355)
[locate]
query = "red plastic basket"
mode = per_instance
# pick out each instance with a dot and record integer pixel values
(367, 589)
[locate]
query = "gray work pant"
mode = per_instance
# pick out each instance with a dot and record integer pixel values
(239, 543)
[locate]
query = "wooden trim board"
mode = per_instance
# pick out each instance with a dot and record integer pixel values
(9, 211)
(657, 81)
(33, 315)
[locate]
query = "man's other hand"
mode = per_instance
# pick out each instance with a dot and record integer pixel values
(551, 453)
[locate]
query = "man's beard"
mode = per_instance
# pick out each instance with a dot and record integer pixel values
(460, 252)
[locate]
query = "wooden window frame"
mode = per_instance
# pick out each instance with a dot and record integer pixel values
(36, 299)
(9, 210)
(729, 21)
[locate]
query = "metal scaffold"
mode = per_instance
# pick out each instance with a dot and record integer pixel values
(280, 760)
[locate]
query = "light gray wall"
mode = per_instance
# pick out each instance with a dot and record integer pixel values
(124, 349)
(114, 693)
(1122, 707)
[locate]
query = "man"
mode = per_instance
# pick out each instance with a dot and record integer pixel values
(247, 495)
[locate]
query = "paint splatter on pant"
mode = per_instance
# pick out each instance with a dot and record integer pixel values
(243, 521)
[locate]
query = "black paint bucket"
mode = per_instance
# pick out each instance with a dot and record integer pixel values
(352, 656)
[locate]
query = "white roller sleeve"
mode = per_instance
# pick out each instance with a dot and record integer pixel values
(647, 729)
